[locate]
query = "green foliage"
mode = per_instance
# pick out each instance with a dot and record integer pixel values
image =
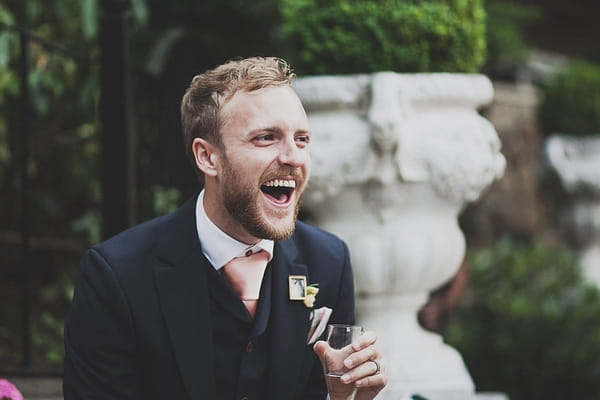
(8, 41)
(90, 16)
(140, 13)
(63, 93)
(62, 167)
(506, 22)
(90, 223)
(529, 325)
(165, 200)
(47, 335)
(571, 101)
(349, 36)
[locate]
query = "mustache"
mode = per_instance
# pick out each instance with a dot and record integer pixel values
(295, 173)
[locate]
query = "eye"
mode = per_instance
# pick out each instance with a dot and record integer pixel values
(264, 138)
(268, 136)
(303, 139)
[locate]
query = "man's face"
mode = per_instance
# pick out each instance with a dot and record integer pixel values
(265, 164)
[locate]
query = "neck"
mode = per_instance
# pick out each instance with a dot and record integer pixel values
(224, 221)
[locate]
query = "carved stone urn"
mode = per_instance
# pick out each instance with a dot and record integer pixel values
(395, 159)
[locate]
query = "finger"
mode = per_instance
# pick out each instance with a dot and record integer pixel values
(324, 350)
(320, 347)
(362, 356)
(366, 339)
(363, 371)
(378, 380)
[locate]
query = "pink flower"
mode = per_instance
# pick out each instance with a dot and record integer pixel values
(8, 391)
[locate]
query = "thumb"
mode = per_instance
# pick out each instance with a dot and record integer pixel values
(320, 348)
(323, 350)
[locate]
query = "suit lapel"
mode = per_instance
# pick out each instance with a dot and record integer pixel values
(182, 289)
(290, 324)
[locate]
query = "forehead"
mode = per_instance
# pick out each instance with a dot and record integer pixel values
(272, 105)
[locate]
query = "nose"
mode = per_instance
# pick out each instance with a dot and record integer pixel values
(291, 154)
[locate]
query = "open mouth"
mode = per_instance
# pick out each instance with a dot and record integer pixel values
(279, 191)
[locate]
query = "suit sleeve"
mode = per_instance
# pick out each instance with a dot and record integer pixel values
(343, 313)
(99, 337)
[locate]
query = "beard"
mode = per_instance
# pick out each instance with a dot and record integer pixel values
(240, 199)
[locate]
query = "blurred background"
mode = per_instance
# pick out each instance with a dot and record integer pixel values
(90, 144)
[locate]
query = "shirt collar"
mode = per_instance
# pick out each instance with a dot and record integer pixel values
(218, 246)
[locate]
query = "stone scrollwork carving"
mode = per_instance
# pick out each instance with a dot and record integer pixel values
(576, 163)
(465, 158)
(389, 127)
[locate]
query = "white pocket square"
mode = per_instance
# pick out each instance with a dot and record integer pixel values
(318, 322)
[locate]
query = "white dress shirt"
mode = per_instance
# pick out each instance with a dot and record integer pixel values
(218, 247)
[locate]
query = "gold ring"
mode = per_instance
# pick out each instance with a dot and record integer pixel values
(377, 366)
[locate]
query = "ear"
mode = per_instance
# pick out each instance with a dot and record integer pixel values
(206, 156)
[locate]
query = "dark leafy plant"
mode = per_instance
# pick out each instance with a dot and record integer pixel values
(529, 325)
(349, 36)
(505, 34)
(62, 83)
(571, 101)
(170, 42)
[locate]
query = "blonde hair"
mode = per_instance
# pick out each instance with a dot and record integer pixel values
(202, 103)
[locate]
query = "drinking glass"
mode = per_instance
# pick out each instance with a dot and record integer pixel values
(339, 341)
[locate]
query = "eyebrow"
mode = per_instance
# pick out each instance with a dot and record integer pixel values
(276, 129)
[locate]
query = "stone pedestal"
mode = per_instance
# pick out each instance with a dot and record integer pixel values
(395, 158)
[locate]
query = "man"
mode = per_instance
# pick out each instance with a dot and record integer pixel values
(157, 311)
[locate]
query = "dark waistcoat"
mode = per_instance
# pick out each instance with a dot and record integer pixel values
(241, 350)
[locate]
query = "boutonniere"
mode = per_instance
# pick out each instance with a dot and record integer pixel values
(299, 290)
(311, 295)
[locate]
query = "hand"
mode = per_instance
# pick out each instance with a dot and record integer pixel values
(362, 369)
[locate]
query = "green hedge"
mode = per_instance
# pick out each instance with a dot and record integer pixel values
(351, 36)
(507, 45)
(571, 101)
(529, 325)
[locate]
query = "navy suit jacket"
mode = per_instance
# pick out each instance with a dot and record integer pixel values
(140, 327)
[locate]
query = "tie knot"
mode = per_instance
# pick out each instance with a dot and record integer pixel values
(245, 274)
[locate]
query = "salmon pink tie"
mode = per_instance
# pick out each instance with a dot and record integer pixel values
(245, 275)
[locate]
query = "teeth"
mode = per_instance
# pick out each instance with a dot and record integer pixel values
(281, 182)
